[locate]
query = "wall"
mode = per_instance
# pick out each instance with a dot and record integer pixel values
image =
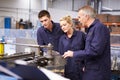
(67, 4)
(17, 9)
(111, 5)
(57, 14)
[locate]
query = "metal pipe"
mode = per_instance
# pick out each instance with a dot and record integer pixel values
(73, 5)
(44, 4)
(18, 56)
(29, 10)
(99, 6)
(29, 45)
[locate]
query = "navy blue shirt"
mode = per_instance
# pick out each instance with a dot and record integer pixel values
(97, 52)
(44, 36)
(73, 67)
(76, 42)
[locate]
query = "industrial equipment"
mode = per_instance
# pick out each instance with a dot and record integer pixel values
(51, 60)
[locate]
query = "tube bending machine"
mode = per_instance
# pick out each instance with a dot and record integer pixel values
(52, 60)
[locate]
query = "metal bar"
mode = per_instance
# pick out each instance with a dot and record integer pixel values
(110, 10)
(18, 56)
(29, 45)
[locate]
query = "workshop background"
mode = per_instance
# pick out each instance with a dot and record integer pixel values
(19, 23)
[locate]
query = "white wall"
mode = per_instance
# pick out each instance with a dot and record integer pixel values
(67, 4)
(57, 14)
(17, 9)
(35, 4)
(111, 4)
(14, 3)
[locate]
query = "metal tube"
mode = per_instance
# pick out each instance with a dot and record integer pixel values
(45, 4)
(29, 45)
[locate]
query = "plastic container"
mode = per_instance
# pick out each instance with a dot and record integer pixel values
(1, 50)
(7, 22)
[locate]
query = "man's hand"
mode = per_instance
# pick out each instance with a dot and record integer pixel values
(68, 54)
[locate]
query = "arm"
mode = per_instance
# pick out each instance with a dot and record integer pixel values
(94, 46)
(40, 40)
(39, 37)
(60, 47)
(97, 44)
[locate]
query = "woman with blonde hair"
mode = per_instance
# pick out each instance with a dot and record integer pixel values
(72, 40)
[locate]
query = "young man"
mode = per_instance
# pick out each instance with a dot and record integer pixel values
(49, 32)
(97, 47)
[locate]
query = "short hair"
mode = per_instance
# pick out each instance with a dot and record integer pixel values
(67, 18)
(43, 13)
(88, 10)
